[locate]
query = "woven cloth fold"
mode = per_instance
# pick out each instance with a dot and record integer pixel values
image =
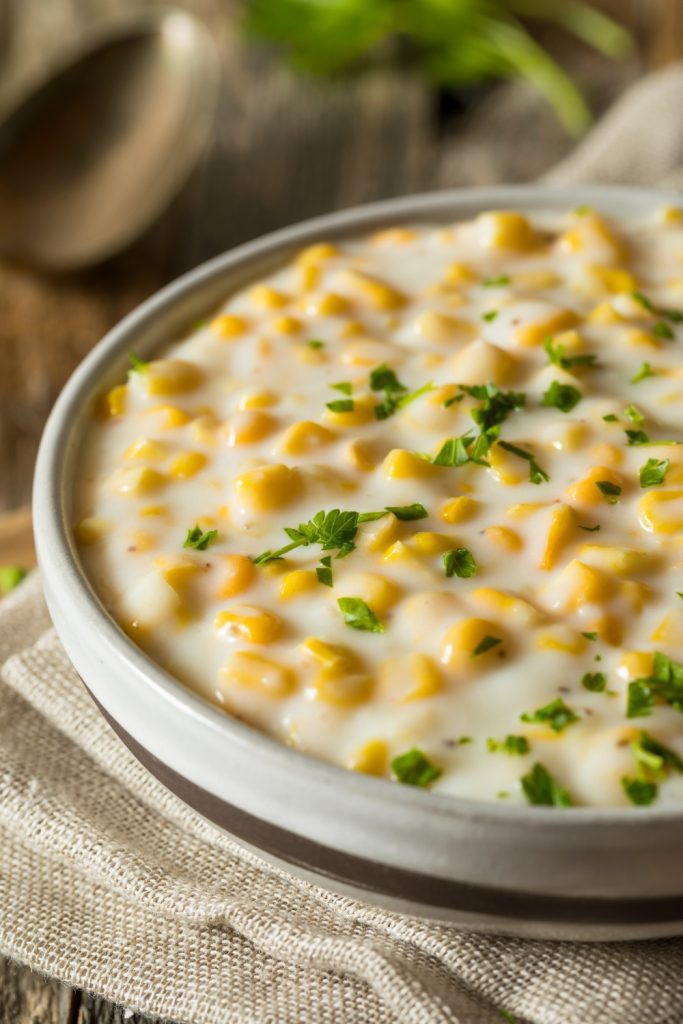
(110, 883)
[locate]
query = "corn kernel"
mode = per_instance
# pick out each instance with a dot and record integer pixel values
(115, 400)
(262, 399)
(511, 606)
(459, 510)
(505, 538)
(443, 329)
(137, 480)
(636, 594)
(341, 688)
(329, 655)
(371, 759)
(394, 236)
(362, 454)
(622, 561)
(141, 541)
(265, 297)
(537, 280)
(144, 448)
(613, 279)
(525, 509)
(586, 490)
(587, 585)
(379, 535)
(399, 552)
(255, 625)
(169, 416)
(237, 574)
(296, 583)
(605, 313)
(268, 488)
(562, 530)
(248, 427)
(406, 678)
(309, 277)
(149, 511)
(317, 253)
(305, 437)
(506, 229)
(609, 628)
(363, 412)
(536, 333)
(635, 665)
(561, 638)
(506, 467)
(169, 377)
(287, 325)
(378, 294)
(378, 592)
(401, 464)
(462, 640)
(91, 530)
(661, 511)
(186, 464)
(669, 630)
(459, 273)
(255, 672)
(480, 360)
(228, 326)
(671, 215)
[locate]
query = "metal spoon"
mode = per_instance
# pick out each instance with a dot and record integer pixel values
(99, 149)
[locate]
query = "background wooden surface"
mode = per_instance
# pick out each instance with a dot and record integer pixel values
(284, 149)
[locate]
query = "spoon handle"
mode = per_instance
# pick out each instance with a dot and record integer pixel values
(16, 539)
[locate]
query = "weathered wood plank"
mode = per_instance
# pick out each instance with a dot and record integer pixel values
(28, 998)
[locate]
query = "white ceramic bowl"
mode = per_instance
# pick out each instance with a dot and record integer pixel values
(570, 873)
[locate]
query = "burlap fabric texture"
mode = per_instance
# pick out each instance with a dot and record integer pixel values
(109, 883)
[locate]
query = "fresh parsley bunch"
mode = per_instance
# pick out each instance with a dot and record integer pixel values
(455, 42)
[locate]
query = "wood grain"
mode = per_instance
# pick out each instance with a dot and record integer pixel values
(16, 539)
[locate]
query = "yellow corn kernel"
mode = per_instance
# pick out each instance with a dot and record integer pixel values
(636, 594)
(258, 673)
(586, 491)
(406, 678)
(115, 400)
(363, 454)
(169, 377)
(169, 416)
(377, 591)
(562, 530)
(592, 232)
(613, 279)
(257, 400)
(566, 435)
(296, 583)
(333, 686)
(91, 530)
(309, 277)
(537, 280)
(365, 351)
(237, 573)
(525, 509)
(605, 313)
(636, 665)
(144, 448)
(268, 488)
(399, 552)
(379, 535)
(639, 339)
(394, 236)
(186, 464)
(228, 326)
(561, 638)
(429, 543)
(480, 360)
(363, 412)
(248, 427)
(511, 606)
(255, 625)
(204, 429)
(536, 333)
(141, 541)
(444, 329)
(179, 572)
(401, 464)
(506, 229)
(149, 511)
(329, 655)
(265, 297)
(331, 304)
(588, 585)
(378, 294)
(286, 325)
(463, 639)
(305, 437)
(622, 561)
(371, 759)
(607, 454)
(137, 480)
(459, 510)
(505, 538)
(609, 628)
(661, 511)
(506, 467)
(669, 630)
(317, 253)
(303, 352)
(670, 215)
(352, 329)
(459, 273)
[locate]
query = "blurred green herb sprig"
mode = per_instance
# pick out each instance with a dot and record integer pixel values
(457, 43)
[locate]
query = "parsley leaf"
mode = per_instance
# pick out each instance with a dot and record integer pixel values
(653, 472)
(644, 372)
(673, 315)
(198, 540)
(334, 529)
(459, 562)
(595, 682)
(561, 396)
(556, 714)
(396, 395)
(137, 365)
(662, 330)
(536, 474)
(490, 315)
(487, 644)
(414, 769)
(639, 791)
(665, 683)
(557, 357)
(324, 571)
(541, 788)
(655, 755)
(341, 405)
(496, 282)
(610, 418)
(510, 745)
(453, 452)
(383, 378)
(408, 512)
(345, 386)
(314, 343)
(358, 615)
(611, 491)
(10, 577)
(637, 437)
(634, 414)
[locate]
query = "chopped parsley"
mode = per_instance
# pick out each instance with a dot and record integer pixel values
(556, 714)
(655, 756)
(459, 562)
(536, 474)
(324, 571)
(496, 282)
(665, 683)
(406, 513)
(611, 418)
(653, 472)
(487, 644)
(10, 577)
(639, 791)
(633, 414)
(332, 530)
(643, 373)
(315, 343)
(590, 636)
(396, 394)
(341, 405)
(490, 315)
(358, 615)
(199, 540)
(541, 788)
(510, 745)
(595, 682)
(637, 437)
(561, 396)
(137, 365)
(345, 386)
(415, 769)
(611, 491)
(590, 529)
(557, 357)
(674, 316)
(662, 330)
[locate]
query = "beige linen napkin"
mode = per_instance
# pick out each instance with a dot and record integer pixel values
(110, 883)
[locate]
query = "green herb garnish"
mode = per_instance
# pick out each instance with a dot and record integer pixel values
(611, 418)
(590, 529)
(324, 571)
(642, 374)
(487, 644)
(408, 512)
(556, 714)
(673, 315)
(665, 683)
(633, 414)
(137, 365)
(459, 562)
(662, 330)
(639, 791)
(541, 788)
(590, 636)
(341, 405)
(557, 357)
(315, 343)
(414, 769)
(653, 472)
(595, 682)
(637, 437)
(490, 315)
(10, 577)
(358, 615)
(536, 474)
(496, 282)
(611, 491)
(510, 745)
(396, 394)
(561, 396)
(345, 386)
(198, 539)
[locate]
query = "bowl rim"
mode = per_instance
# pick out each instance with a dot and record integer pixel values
(56, 546)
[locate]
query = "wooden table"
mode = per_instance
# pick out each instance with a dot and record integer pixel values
(284, 149)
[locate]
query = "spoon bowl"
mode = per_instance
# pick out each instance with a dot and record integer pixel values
(96, 152)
